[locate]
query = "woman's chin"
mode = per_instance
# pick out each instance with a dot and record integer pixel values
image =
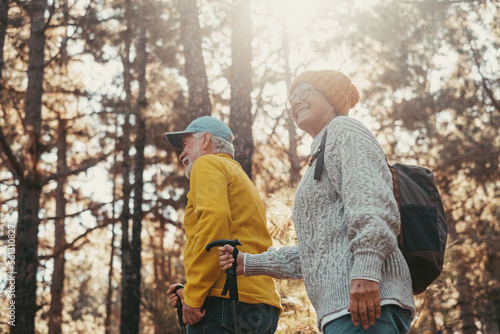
(303, 124)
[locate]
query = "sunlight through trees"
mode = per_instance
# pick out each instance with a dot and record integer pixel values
(92, 196)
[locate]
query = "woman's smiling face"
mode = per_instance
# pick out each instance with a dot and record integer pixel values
(310, 110)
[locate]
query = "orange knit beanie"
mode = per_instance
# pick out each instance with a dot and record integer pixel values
(335, 86)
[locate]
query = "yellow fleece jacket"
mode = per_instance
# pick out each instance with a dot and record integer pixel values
(223, 203)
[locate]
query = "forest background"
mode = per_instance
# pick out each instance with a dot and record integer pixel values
(92, 197)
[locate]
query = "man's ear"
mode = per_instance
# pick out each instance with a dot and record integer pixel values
(207, 138)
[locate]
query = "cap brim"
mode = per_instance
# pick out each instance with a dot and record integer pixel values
(175, 138)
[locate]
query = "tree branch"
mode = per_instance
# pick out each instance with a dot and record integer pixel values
(8, 200)
(85, 165)
(464, 157)
(71, 244)
(483, 79)
(91, 208)
(17, 169)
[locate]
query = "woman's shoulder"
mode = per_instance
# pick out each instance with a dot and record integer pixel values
(347, 127)
(347, 122)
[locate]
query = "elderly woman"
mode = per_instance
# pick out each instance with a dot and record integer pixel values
(346, 219)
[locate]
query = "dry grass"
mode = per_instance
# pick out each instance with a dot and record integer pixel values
(299, 316)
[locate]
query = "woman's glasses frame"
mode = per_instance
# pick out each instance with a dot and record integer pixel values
(300, 94)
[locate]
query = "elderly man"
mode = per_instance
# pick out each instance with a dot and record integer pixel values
(223, 203)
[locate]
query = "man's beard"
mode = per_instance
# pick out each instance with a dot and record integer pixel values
(196, 154)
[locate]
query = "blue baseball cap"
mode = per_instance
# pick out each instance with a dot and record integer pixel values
(203, 124)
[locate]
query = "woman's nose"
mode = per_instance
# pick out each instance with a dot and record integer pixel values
(294, 104)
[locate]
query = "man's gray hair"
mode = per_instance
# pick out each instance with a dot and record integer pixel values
(219, 145)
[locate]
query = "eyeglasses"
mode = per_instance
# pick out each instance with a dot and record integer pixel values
(299, 94)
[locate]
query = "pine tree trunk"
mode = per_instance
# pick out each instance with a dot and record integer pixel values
(496, 315)
(26, 256)
(199, 101)
(139, 166)
(4, 19)
(127, 279)
(127, 310)
(109, 294)
(293, 156)
(160, 264)
(57, 286)
(464, 302)
(241, 84)
(31, 185)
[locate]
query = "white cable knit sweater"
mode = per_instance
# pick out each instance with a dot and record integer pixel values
(346, 226)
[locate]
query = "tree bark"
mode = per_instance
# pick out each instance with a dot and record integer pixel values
(199, 101)
(109, 294)
(139, 162)
(464, 303)
(293, 157)
(4, 20)
(126, 313)
(127, 310)
(160, 265)
(30, 186)
(57, 286)
(241, 84)
(131, 293)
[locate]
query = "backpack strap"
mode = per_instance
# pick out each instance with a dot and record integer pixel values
(320, 154)
(395, 190)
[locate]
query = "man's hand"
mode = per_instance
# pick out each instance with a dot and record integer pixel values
(364, 302)
(226, 259)
(191, 315)
(173, 297)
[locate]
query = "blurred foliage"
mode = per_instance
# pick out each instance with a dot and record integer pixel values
(429, 77)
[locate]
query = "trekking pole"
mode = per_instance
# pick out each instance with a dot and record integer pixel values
(231, 282)
(178, 306)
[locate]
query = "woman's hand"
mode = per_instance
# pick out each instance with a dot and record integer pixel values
(226, 259)
(364, 302)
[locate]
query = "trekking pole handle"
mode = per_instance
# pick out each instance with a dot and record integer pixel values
(221, 242)
(231, 284)
(178, 287)
(178, 306)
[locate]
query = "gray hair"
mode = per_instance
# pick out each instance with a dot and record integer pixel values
(219, 145)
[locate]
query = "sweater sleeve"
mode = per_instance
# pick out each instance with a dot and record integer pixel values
(282, 263)
(366, 190)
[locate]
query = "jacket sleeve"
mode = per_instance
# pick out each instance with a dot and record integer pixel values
(211, 206)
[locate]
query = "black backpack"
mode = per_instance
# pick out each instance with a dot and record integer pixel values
(424, 228)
